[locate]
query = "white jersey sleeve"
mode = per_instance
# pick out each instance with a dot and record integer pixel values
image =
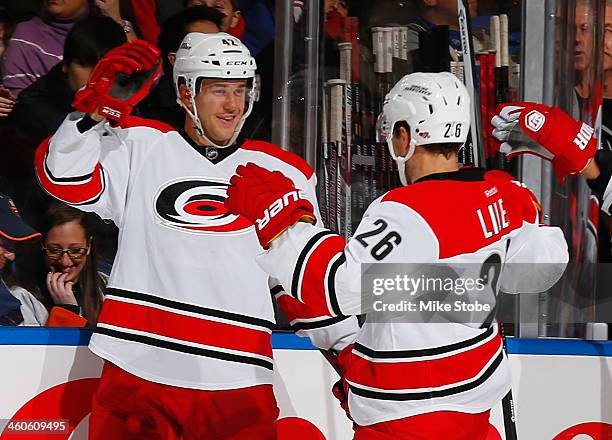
(535, 261)
(91, 169)
(312, 259)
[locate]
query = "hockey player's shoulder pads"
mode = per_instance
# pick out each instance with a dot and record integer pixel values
(135, 121)
(519, 193)
(285, 156)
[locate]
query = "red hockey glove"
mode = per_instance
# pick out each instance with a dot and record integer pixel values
(268, 199)
(120, 80)
(548, 132)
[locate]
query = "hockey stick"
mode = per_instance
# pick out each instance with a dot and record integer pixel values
(467, 49)
(504, 59)
(468, 59)
(336, 114)
(357, 114)
(508, 408)
(344, 159)
(325, 209)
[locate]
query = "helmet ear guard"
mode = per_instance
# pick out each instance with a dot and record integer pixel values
(434, 105)
(213, 56)
(384, 133)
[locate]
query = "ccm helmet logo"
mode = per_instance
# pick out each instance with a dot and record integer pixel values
(277, 206)
(237, 63)
(535, 120)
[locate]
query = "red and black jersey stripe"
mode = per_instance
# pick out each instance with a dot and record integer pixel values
(315, 272)
(76, 190)
(188, 328)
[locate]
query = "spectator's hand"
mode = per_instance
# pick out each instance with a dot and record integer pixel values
(60, 289)
(7, 101)
(110, 8)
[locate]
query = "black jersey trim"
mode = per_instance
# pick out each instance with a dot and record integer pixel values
(175, 346)
(420, 395)
(205, 311)
(75, 179)
(87, 202)
(331, 283)
(299, 266)
(277, 289)
(313, 325)
(97, 198)
(220, 153)
(465, 174)
(376, 354)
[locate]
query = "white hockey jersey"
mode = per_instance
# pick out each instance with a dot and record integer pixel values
(398, 368)
(186, 303)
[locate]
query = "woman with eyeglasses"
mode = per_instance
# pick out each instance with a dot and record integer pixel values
(69, 283)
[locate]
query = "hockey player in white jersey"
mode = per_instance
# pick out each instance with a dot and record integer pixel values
(186, 322)
(411, 380)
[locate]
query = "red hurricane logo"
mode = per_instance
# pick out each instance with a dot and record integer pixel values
(196, 205)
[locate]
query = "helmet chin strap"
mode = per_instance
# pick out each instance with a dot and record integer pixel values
(198, 124)
(401, 160)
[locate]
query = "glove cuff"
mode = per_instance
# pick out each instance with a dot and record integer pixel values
(299, 214)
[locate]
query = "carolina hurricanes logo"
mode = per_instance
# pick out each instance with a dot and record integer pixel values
(196, 205)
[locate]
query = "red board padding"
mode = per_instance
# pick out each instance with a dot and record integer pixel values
(295, 428)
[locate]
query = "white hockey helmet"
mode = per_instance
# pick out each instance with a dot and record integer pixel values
(216, 55)
(436, 107)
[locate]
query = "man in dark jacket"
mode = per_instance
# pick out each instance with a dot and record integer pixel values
(42, 106)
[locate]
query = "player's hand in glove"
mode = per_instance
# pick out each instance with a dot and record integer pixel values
(268, 199)
(120, 80)
(548, 132)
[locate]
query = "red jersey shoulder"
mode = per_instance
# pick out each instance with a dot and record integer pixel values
(464, 215)
(518, 193)
(430, 193)
(280, 154)
(135, 121)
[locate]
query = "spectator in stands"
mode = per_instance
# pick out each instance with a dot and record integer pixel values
(604, 233)
(584, 61)
(17, 305)
(37, 44)
(43, 105)
(161, 103)
(146, 14)
(232, 22)
(7, 26)
(607, 79)
(67, 281)
(22, 10)
(440, 13)
(259, 23)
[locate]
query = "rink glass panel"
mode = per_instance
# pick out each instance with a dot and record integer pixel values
(328, 116)
(577, 88)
